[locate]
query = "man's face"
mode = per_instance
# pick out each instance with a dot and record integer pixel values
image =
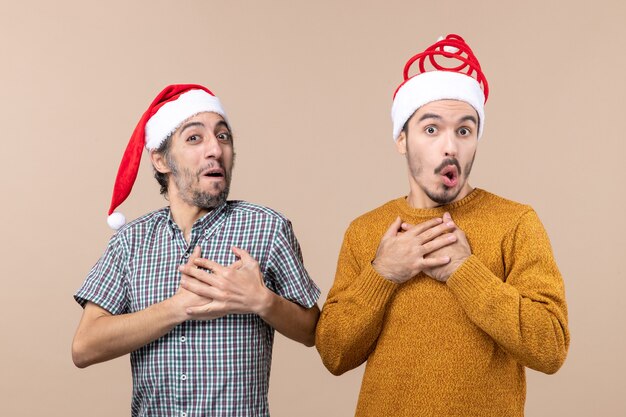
(200, 161)
(440, 144)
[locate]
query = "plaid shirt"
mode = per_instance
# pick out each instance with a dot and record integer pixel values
(219, 367)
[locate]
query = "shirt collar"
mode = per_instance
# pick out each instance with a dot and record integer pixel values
(202, 222)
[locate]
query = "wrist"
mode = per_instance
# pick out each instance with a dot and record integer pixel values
(456, 264)
(383, 272)
(174, 310)
(452, 267)
(265, 303)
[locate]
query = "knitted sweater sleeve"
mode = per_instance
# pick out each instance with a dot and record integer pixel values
(526, 314)
(352, 316)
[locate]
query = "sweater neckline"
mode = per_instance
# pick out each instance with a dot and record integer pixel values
(470, 199)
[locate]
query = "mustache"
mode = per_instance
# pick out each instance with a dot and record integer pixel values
(446, 162)
(212, 165)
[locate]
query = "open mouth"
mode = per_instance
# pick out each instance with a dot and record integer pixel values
(450, 176)
(214, 173)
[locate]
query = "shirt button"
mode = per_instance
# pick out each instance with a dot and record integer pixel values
(183, 377)
(183, 414)
(186, 255)
(183, 338)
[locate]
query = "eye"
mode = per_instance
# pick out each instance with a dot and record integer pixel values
(224, 137)
(430, 130)
(193, 138)
(464, 131)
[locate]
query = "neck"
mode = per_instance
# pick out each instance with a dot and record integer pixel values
(185, 215)
(417, 198)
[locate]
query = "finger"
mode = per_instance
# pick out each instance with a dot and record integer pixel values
(439, 243)
(199, 274)
(393, 228)
(210, 265)
(422, 227)
(200, 310)
(196, 253)
(447, 218)
(200, 288)
(238, 264)
(242, 254)
(247, 260)
(406, 226)
(213, 310)
(433, 232)
(435, 261)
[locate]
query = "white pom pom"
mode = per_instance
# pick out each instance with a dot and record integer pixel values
(116, 220)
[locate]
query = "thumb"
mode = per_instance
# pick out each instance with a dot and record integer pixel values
(393, 228)
(197, 310)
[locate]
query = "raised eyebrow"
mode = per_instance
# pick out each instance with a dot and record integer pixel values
(222, 124)
(190, 124)
(429, 116)
(470, 118)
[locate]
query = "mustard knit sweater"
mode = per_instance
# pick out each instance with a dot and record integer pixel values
(453, 349)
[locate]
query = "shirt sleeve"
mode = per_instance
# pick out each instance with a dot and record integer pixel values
(285, 269)
(526, 314)
(352, 317)
(106, 285)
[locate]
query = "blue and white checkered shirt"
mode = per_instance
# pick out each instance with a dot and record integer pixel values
(219, 367)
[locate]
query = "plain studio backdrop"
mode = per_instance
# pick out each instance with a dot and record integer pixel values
(308, 89)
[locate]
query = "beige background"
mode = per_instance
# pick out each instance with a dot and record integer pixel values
(308, 87)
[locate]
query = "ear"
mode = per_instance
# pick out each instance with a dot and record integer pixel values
(401, 143)
(159, 163)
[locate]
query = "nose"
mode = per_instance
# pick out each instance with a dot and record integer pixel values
(449, 144)
(213, 148)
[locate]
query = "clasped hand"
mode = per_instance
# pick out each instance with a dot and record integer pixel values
(436, 247)
(212, 290)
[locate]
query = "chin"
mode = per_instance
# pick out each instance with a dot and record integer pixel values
(447, 196)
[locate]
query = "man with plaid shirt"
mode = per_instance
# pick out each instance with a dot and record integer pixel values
(195, 290)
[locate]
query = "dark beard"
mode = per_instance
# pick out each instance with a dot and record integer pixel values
(445, 196)
(208, 201)
(184, 179)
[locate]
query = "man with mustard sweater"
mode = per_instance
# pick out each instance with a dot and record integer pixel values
(450, 292)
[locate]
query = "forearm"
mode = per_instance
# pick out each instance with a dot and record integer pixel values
(531, 329)
(351, 321)
(290, 319)
(102, 336)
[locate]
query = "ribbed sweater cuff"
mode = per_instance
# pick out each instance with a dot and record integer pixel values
(472, 280)
(373, 288)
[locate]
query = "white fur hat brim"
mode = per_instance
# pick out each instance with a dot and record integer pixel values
(173, 113)
(432, 86)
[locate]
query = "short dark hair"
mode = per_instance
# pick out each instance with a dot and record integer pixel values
(163, 150)
(405, 127)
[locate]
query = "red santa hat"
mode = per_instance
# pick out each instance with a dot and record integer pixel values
(448, 70)
(175, 104)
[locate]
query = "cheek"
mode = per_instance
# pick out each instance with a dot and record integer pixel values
(469, 152)
(416, 164)
(228, 155)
